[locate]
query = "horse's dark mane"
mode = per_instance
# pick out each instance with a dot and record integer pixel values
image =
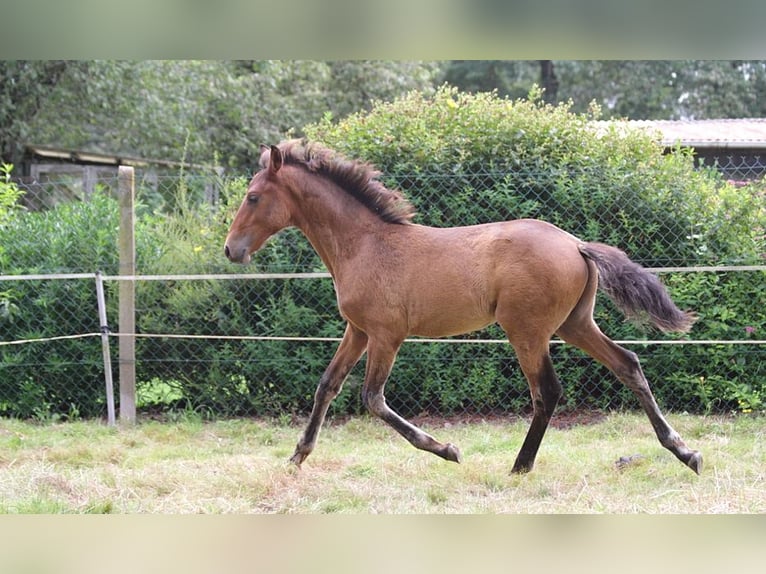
(357, 178)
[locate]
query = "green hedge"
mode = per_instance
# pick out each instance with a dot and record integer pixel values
(466, 159)
(461, 159)
(500, 159)
(55, 377)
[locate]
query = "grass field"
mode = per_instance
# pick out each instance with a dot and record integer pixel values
(363, 467)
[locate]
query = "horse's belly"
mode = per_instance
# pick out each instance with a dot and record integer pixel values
(448, 328)
(448, 317)
(418, 311)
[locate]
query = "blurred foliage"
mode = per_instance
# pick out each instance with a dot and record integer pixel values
(199, 110)
(190, 109)
(633, 89)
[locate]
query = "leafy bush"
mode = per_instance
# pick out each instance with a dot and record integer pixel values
(461, 159)
(9, 193)
(73, 237)
(465, 159)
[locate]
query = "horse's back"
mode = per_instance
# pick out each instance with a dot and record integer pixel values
(528, 249)
(447, 281)
(535, 248)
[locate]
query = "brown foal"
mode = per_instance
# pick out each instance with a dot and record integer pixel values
(394, 279)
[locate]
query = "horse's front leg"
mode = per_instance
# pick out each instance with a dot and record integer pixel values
(348, 354)
(380, 360)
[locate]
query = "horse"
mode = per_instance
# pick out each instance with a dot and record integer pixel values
(394, 278)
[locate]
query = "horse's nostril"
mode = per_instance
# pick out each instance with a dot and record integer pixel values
(226, 251)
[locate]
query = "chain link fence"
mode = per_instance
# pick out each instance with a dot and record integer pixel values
(238, 343)
(739, 169)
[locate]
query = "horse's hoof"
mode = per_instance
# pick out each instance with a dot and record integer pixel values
(451, 452)
(521, 466)
(695, 462)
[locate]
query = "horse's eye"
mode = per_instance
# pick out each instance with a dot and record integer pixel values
(252, 199)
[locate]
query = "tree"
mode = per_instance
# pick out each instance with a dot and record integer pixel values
(286, 95)
(508, 77)
(154, 109)
(630, 89)
(549, 82)
(633, 89)
(193, 110)
(729, 89)
(666, 89)
(356, 85)
(205, 111)
(24, 90)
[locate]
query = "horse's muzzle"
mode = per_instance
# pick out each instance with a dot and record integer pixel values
(236, 255)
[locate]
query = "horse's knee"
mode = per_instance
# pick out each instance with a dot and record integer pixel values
(553, 390)
(328, 389)
(323, 396)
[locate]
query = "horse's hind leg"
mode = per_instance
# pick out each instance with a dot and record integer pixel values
(546, 391)
(349, 352)
(585, 334)
(380, 360)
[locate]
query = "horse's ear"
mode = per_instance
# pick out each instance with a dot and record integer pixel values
(263, 158)
(276, 159)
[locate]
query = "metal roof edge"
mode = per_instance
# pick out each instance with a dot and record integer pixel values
(83, 156)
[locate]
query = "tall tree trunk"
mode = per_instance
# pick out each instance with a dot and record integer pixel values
(549, 81)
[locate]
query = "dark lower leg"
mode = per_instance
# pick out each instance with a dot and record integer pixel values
(667, 436)
(546, 391)
(379, 363)
(328, 389)
(376, 404)
(626, 367)
(348, 353)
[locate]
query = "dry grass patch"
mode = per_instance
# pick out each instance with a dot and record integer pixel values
(363, 467)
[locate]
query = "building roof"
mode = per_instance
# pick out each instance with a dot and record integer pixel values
(86, 157)
(743, 133)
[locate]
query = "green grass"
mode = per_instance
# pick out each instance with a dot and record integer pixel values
(364, 467)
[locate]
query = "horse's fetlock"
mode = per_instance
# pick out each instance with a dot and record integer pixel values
(373, 402)
(672, 440)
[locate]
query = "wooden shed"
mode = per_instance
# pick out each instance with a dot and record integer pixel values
(736, 147)
(50, 175)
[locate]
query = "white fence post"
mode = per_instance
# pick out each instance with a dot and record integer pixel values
(127, 315)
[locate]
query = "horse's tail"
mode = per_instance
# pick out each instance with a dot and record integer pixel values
(639, 294)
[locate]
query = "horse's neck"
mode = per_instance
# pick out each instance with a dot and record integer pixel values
(335, 224)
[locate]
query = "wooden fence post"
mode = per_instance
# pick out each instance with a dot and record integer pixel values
(127, 315)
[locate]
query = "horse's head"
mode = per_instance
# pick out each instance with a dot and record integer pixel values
(263, 211)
